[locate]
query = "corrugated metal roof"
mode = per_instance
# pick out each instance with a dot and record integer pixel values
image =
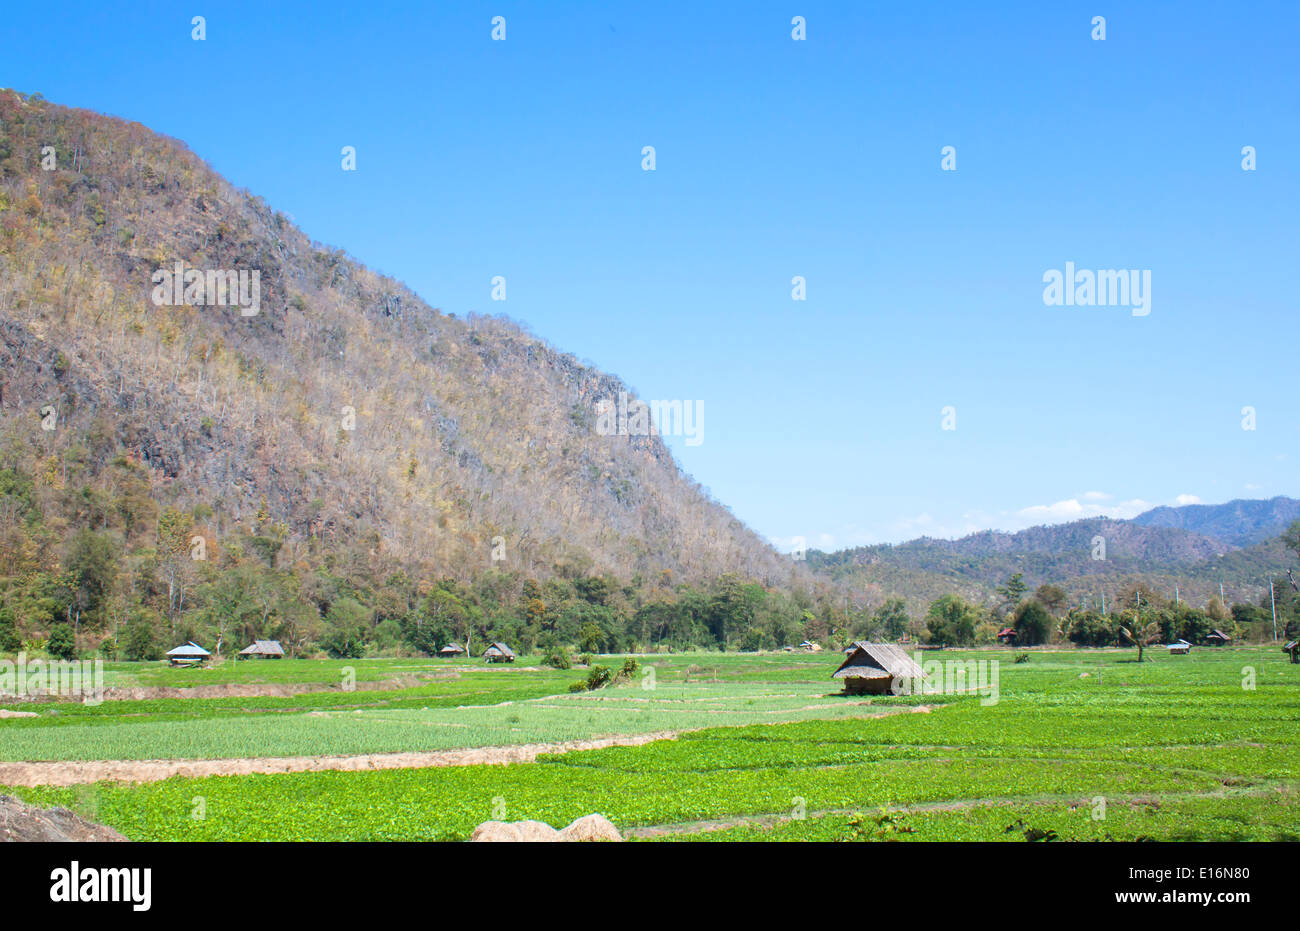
(188, 649)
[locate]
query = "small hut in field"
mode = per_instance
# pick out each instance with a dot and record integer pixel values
(1217, 638)
(810, 646)
(1007, 635)
(451, 651)
(266, 649)
(1292, 649)
(188, 654)
(875, 668)
(499, 653)
(1181, 648)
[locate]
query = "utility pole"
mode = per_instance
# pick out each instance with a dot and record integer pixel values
(1175, 595)
(1273, 604)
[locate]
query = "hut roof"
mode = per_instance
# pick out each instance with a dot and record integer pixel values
(188, 649)
(1007, 632)
(498, 649)
(263, 648)
(452, 648)
(1291, 645)
(1217, 635)
(878, 661)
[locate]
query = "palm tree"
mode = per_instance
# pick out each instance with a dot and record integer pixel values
(1145, 637)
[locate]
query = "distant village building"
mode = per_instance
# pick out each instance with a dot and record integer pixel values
(499, 653)
(188, 654)
(266, 649)
(1181, 648)
(451, 650)
(1217, 638)
(1007, 635)
(874, 668)
(810, 646)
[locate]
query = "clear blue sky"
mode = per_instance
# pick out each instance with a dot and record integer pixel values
(778, 158)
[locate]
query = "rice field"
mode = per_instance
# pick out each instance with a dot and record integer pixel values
(1081, 745)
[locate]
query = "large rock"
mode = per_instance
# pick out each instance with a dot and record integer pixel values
(490, 831)
(532, 831)
(22, 822)
(591, 828)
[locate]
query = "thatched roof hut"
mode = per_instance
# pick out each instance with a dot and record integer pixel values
(875, 668)
(187, 654)
(450, 650)
(267, 649)
(499, 653)
(1217, 637)
(1292, 649)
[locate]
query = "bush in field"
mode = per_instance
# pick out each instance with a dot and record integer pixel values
(586, 659)
(598, 678)
(558, 658)
(62, 643)
(579, 686)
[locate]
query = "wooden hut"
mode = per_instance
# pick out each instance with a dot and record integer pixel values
(810, 646)
(1007, 635)
(1217, 638)
(874, 668)
(499, 653)
(188, 654)
(1181, 648)
(451, 651)
(266, 649)
(1292, 649)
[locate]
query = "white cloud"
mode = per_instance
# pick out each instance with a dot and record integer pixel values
(1097, 496)
(1186, 499)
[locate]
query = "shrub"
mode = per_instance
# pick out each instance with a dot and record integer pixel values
(558, 658)
(1022, 657)
(598, 678)
(62, 643)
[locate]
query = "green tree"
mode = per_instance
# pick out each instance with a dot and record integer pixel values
(1012, 591)
(1033, 623)
(62, 643)
(951, 622)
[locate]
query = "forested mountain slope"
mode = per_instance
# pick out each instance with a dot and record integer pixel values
(345, 423)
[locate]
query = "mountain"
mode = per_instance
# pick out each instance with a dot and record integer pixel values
(345, 421)
(1241, 522)
(1187, 550)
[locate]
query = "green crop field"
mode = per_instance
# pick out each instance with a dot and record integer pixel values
(1084, 745)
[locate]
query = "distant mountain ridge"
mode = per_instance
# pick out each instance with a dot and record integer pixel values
(1240, 522)
(1191, 549)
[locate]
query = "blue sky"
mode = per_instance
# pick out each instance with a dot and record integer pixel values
(776, 158)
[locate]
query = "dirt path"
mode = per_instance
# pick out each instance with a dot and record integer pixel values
(78, 772)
